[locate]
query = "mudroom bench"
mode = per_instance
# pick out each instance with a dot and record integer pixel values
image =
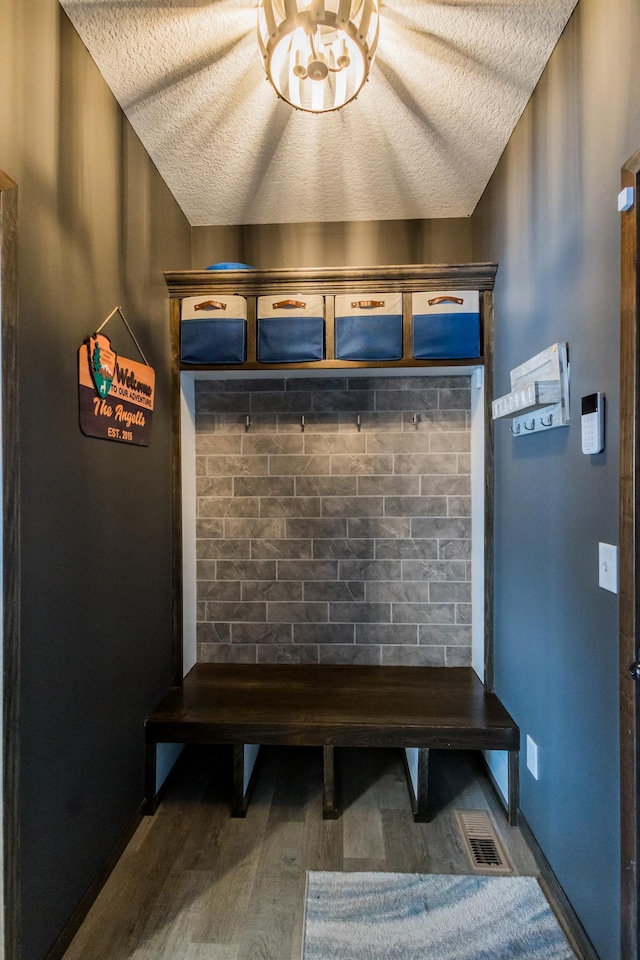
(333, 706)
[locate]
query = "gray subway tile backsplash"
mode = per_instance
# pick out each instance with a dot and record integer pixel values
(400, 656)
(246, 570)
(302, 465)
(360, 612)
(213, 507)
(264, 487)
(384, 528)
(219, 590)
(326, 486)
(290, 506)
(214, 486)
(227, 652)
(345, 590)
(398, 591)
(342, 542)
(456, 635)
(222, 549)
(353, 507)
(283, 653)
(386, 633)
(404, 549)
(414, 400)
(272, 444)
(271, 590)
(243, 632)
(343, 549)
(346, 654)
(318, 633)
(388, 486)
(281, 549)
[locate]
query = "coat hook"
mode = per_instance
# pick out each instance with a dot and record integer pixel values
(533, 425)
(358, 423)
(515, 432)
(247, 423)
(550, 424)
(415, 420)
(302, 423)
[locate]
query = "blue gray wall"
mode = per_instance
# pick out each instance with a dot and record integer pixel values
(549, 217)
(97, 226)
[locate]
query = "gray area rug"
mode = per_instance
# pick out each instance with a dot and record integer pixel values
(400, 916)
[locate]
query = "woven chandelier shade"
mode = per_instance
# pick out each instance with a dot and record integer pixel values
(318, 53)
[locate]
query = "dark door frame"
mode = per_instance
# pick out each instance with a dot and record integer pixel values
(10, 555)
(629, 560)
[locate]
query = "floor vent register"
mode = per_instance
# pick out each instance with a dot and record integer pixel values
(482, 843)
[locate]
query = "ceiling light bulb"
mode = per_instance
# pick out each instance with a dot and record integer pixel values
(317, 67)
(299, 68)
(342, 57)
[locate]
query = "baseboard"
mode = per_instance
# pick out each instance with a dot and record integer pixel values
(74, 923)
(567, 917)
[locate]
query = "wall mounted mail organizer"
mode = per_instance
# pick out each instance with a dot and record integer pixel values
(405, 316)
(539, 396)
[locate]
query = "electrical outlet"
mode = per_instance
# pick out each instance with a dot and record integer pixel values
(532, 757)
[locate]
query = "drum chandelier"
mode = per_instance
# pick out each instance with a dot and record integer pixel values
(318, 53)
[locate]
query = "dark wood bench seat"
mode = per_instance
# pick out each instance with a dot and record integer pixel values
(333, 706)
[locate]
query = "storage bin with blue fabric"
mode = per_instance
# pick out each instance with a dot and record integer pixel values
(368, 329)
(290, 329)
(213, 331)
(446, 325)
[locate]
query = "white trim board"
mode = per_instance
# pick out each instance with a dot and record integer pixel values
(168, 753)
(189, 507)
(477, 521)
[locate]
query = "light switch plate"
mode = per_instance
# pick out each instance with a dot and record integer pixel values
(608, 567)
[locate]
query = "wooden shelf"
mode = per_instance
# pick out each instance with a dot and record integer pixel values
(332, 280)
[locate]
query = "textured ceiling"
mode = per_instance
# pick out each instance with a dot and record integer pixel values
(450, 80)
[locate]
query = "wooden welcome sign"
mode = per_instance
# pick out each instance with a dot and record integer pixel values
(116, 394)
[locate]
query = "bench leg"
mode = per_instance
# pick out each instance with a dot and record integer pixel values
(420, 813)
(514, 787)
(150, 779)
(330, 793)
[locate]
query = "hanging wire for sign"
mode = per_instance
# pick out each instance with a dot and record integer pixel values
(124, 320)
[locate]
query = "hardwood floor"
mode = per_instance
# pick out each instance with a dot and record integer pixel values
(196, 884)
